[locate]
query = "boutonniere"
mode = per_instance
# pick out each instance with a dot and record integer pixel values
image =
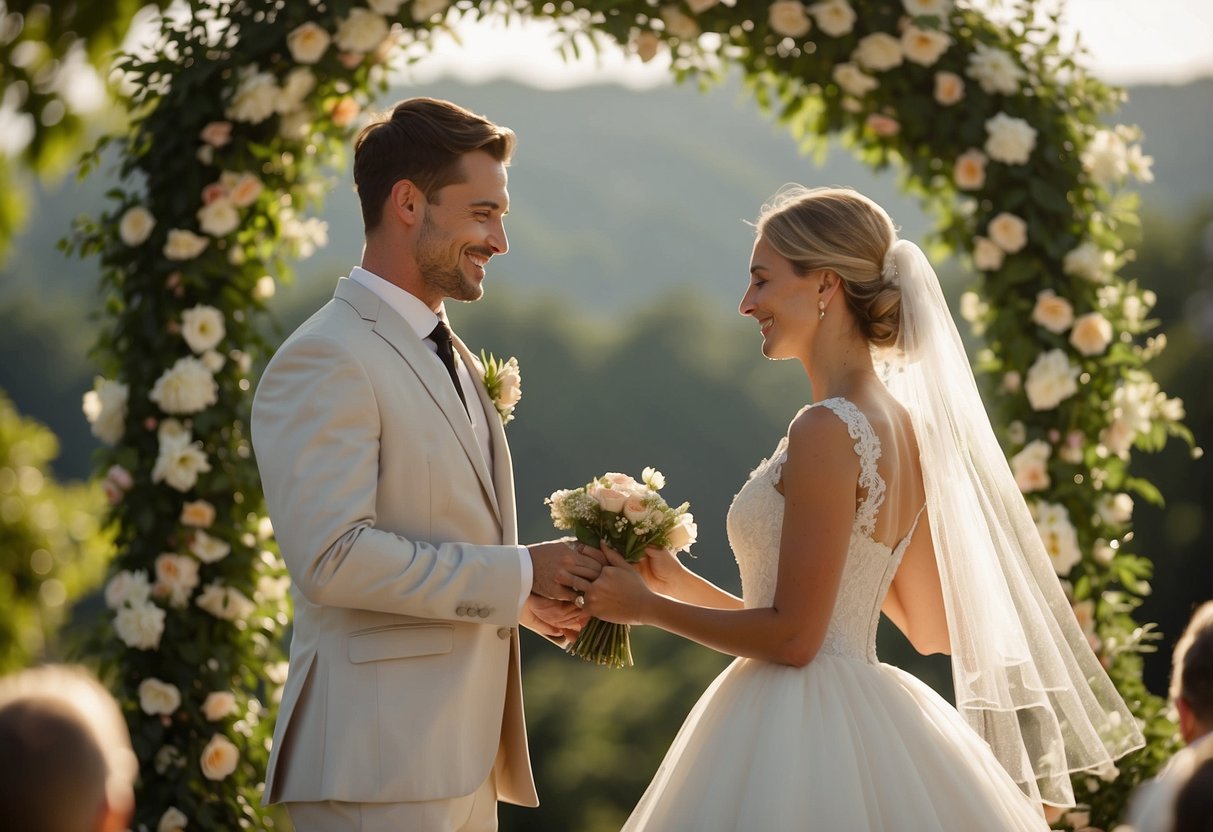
(504, 383)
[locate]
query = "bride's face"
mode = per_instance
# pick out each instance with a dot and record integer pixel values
(782, 302)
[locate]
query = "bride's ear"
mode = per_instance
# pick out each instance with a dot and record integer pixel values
(829, 283)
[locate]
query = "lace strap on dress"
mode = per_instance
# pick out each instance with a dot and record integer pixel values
(867, 448)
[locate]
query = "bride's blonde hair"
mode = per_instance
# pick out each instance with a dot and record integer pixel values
(842, 230)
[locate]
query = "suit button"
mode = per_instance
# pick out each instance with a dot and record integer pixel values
(484, 612)
(461, 610)
(503, 633)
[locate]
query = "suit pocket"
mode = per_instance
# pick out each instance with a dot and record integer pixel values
(400, 642)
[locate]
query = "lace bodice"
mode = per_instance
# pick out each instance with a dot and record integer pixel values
(755, 525)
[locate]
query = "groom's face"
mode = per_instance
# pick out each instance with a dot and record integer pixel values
(463, 227)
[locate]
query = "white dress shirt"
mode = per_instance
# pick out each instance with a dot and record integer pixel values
(422, 320)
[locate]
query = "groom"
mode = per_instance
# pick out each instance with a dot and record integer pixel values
(389, 483)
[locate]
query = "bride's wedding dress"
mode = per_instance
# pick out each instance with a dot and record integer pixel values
(844, 744)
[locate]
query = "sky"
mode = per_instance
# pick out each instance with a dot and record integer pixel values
(1130, 41)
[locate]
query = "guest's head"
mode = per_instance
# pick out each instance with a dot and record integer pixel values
(1192, 675)
(431, 177)
(66, 763)
(822, 250)
(1193, 810)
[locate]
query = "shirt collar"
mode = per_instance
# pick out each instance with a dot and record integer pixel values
(420, 318)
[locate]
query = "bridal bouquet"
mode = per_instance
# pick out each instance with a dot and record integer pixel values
(630, 516)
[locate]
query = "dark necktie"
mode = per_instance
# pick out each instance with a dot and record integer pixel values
(441, 336)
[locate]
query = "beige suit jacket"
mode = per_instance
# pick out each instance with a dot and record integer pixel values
(404, 679)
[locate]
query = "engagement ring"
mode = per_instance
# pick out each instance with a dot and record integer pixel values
(579, 600)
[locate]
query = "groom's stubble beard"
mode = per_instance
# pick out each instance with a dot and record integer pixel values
(440, 264)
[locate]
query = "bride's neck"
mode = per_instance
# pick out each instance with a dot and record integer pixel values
(839, 366)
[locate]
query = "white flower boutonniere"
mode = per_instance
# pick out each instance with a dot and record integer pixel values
(504, 383)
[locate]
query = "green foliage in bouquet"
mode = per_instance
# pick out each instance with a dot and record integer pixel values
(628, 516)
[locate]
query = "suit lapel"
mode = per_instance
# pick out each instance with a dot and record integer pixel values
(503, 466)
(433, 376)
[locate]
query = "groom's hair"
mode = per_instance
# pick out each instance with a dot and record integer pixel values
(1192, 671)
(422, 140)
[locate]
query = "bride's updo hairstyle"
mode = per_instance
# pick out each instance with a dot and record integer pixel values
(842, 230)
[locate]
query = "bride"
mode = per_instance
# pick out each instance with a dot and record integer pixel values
(888, 494)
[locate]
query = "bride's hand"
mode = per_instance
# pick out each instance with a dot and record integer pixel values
(618, 594)
(661, 570)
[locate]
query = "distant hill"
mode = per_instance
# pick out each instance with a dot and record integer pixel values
(618, 194)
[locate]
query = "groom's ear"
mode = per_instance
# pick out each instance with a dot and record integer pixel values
(407, 203)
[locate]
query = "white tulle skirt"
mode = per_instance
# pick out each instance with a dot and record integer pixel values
(838, 746)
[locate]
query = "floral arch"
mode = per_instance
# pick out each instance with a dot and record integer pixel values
(241, 103)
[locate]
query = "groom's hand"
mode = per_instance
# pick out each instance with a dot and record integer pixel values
(560, 571)
(558, 621)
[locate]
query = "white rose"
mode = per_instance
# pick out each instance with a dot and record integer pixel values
(385, 7)
(653, 478)
(683, 534)
(1115, 509)
(219, 217)
(680, 25)
(1092, 334)
(1009, 140)
(949, 88)
(298, 84)
(219, 758)
(1052, 312)
(308, 43)
(995, 70)
(179, 463)
(1118, 437)
(853, 80)
(213, 361)
(1089, 262)
(176, 578)
(127, 587)
(1012, 382)
(1102, 552)
(264, 288)
(970, 170)
(701, 6)
(423, 10)
(173, 820)
(789, 18)
(1059, 537)
(510, 392)
(105, 409)
(635, 509)
(209, 549)
(924, 46)
(1140, 165)
(277, 672)
(140, 626)
(272, 589)
(186, 387)
(255, 97)
(225, 602)
(157, 697)
(645, 44)
(1009, 232)
(1051, 380)
(184, 245)
(1030, 466)
(987, 256)
(879, 51)
(218, 704)
(1106, 158)
(927, 8)
(834, 17)
(136, 226)
(361, 32)
(610, 499)
(296, 125)
(202, 327)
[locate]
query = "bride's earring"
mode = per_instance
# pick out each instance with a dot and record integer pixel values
(821, 310)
